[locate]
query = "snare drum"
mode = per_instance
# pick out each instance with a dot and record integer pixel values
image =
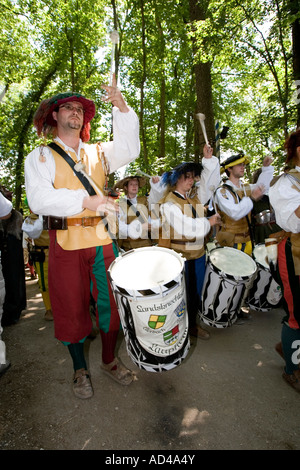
(265, 294)
(149, 289)
(228, 276)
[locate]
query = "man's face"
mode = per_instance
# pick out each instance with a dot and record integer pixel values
(237, 171)
(69, 115)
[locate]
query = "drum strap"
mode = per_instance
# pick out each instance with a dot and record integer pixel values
(84, 181)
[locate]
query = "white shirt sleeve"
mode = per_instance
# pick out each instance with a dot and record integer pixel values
(126, 144)
(184, 225)
(5, 206)
(209, 180)
(228, 205)
(285, 200)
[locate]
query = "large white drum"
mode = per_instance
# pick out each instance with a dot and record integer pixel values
(228, 276)
(265, 294)
(149, 289)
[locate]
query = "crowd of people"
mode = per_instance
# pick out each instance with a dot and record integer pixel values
(76, 229)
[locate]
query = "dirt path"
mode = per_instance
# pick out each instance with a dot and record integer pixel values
(227, 395)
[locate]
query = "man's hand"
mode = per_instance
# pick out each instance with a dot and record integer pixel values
(267, 161)
(207, 151)
(114, 96)
(101, 204)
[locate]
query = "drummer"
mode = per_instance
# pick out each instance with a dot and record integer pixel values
(234, 200)
(137, 222)
(285, 199)
(185, 226)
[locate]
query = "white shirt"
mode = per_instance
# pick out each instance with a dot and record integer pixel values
(134, 230)
(5, 206)
(227, 202)
(285, 200)
(44, 199)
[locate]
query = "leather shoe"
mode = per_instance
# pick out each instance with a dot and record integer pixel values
(82, 386)
(293, 379)
(199, 332)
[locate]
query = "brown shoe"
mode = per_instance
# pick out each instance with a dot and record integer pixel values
(48, 315)
(293, 379)
(118, 372)
(199, 332)
(82, 386)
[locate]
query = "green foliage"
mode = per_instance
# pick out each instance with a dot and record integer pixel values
(50, 46)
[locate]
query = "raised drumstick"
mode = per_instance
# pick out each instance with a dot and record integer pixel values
(201, 118)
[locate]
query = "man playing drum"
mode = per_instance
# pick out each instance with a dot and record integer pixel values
(234, 200)
(81, 247)
(184, 224)
(285, 199)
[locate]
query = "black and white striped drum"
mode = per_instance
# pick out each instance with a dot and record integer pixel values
(265, 294)
(149, 289)
(228, 276)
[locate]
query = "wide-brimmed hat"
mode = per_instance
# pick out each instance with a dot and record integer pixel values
(234, 160)
(43, 116)
(171, 177)
(123, 182)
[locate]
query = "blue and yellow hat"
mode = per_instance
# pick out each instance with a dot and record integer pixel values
(234, 160)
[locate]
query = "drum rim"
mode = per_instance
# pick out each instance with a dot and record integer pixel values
(232, 276)
(120, 258)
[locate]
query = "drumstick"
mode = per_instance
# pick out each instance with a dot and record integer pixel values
(80, 167)
(114, 37)
(201, 118)
(140, 172)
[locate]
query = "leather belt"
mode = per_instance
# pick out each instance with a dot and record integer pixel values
(244, 234)
(181, 242)
(62, 223)
(83, 221)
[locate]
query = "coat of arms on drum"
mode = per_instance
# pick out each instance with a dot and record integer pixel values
(170, 337)
(156, 321)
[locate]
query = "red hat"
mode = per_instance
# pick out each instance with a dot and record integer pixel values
(43, 116)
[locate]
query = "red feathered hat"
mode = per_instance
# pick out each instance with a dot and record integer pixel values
(43, 118)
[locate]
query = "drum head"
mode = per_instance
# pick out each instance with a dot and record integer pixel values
(146, 268)
(232, 262)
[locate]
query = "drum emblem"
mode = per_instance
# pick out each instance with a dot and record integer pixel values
(180, 309)
(156, 321)
(170, 337)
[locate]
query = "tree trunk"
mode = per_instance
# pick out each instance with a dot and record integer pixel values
(204, 102)
(296, 54)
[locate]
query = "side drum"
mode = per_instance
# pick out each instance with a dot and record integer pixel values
(149, 289)
(265, 294)
(229, 274)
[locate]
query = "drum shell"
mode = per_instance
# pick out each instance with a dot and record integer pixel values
(265, 294)
(223, 293)
(154, 320)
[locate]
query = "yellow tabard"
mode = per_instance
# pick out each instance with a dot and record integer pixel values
(235, 227)
(168, 236)
(142, 208)
(75, 238)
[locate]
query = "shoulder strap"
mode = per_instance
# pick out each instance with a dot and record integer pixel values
(71, 162)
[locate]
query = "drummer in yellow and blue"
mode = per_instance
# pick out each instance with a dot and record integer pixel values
(234, 200)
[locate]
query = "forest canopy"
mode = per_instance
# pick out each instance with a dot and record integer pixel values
(235, 61)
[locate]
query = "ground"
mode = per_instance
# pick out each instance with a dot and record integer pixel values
(228, 394)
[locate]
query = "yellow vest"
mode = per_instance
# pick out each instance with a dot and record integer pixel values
(234, 231)
(75, 238)
(168, 235)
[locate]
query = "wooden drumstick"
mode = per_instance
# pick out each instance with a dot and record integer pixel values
(201, 118)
